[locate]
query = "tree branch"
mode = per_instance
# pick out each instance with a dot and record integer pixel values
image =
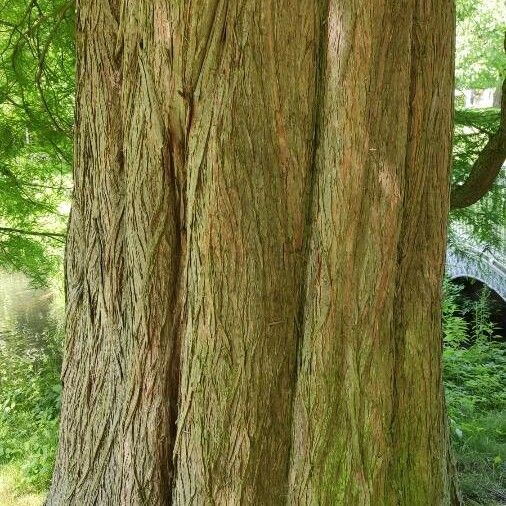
(53, 235)
(487, 166)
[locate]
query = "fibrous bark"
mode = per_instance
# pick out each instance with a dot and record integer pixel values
(255, 254)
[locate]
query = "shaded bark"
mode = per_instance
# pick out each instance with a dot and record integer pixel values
(255, 254)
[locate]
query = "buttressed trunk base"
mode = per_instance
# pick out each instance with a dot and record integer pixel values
(255, 254)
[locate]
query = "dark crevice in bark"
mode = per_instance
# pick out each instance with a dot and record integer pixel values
(177, 165)
(177, 324)
(321, 51)
(398, 351)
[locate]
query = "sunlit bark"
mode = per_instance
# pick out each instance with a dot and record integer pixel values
(255, 254)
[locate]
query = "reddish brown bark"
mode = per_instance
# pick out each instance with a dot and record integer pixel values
(255, 254)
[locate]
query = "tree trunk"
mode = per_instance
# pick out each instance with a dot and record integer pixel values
(255, 254)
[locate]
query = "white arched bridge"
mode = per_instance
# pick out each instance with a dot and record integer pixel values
(471, 262)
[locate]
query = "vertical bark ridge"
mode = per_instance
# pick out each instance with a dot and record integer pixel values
(419, 427)
(93, 389)
(343, 443)
(125, 303)
(154, 247)
(321, 52)
(248, 153)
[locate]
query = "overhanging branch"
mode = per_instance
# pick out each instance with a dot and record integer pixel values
(487, 166)
(53, 235)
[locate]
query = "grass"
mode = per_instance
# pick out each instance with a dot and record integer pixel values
(10, 495)
(481, 459)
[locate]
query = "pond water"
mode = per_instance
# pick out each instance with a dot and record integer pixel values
(28, 315)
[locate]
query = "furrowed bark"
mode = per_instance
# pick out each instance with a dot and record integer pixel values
(250, 146)
(366, 328)
(369, 397)
(123, 262)
(421, 464)
(255, 254)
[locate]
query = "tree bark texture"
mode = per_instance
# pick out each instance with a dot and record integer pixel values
(255, 254)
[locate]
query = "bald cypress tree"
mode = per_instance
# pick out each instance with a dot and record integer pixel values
(255, 254)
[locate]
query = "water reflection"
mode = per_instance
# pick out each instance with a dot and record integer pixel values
(29, 316)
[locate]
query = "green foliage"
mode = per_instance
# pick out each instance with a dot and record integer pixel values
(480, 62)
(475, 375)
(36, 117)
(485, 219)
(454, 326)
(29, 406)
(475, 378)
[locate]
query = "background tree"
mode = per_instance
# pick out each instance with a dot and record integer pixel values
(479, 199)
(480, 59)
(36, 109)
(479, 202)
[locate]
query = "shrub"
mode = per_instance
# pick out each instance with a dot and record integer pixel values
(29, 406)
(475, 376)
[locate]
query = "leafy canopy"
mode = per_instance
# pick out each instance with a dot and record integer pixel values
(36, 118)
